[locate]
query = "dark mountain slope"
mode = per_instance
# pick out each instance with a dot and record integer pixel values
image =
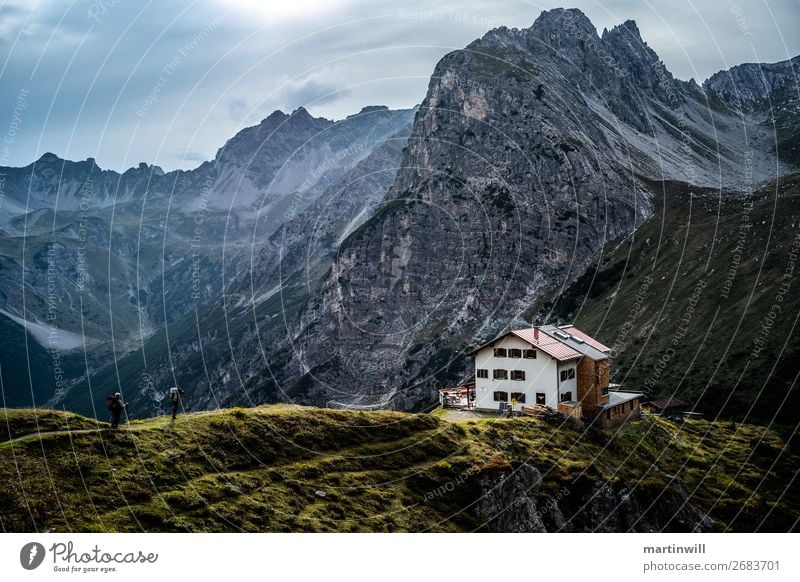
(701, 302)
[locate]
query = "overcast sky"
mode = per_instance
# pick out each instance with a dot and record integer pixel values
(167, 82)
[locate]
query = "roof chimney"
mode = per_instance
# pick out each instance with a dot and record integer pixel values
(536, 334)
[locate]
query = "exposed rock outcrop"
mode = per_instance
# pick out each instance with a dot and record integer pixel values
(517, 501)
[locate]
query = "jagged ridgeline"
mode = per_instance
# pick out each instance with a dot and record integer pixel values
(290, 469)
(354, 263)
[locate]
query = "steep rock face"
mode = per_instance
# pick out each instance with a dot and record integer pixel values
(224, 345)
(308, 239)
(521, 164)
(262, 304)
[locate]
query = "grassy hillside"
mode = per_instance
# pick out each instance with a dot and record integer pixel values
(281, 468)
(17, 423)
(688, 301)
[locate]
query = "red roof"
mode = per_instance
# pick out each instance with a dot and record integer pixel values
(574, 331)
(668, 403)
(547, 344)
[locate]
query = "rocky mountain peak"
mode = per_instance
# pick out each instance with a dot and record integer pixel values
(142, 168)
(625, 42)
(369, 109)
(628, 29)
(563, 26)
(747, 85)
(276, 115)
(48, 158)
(556, 29)
(301, 113)
(301, 120)
(501, 37)
(619, 57)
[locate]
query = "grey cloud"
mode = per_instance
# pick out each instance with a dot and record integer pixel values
(312, 90)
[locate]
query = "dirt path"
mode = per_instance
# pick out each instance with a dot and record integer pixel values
(133, 425)
(40, 435)
(459, 415)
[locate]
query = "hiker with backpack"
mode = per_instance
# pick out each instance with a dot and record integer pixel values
(175, 394)
(116, 406)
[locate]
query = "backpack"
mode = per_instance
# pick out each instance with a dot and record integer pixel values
(110, 400)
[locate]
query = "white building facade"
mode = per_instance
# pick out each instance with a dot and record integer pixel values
(524, 368)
